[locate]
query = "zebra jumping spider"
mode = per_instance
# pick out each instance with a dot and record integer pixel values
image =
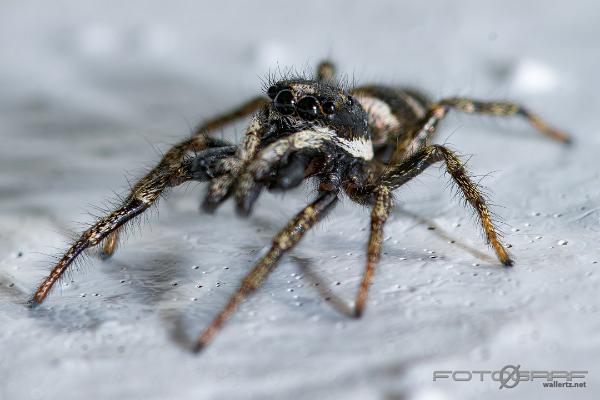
(363, 143)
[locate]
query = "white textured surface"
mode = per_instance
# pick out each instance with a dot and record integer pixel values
(89, 89)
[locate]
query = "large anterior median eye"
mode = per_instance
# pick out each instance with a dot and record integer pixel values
(308, 107)
(284, 102)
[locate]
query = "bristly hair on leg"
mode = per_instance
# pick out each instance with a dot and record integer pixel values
(80, 265)
(484, 192)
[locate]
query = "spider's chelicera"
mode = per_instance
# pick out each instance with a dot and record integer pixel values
(363, 143)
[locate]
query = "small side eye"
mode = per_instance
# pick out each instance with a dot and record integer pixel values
(272, 92)
(308, 107)
(328, 107)
(284, 102)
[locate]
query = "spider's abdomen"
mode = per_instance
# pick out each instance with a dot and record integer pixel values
(391, 111)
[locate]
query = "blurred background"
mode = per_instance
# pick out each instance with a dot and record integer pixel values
(92, 92)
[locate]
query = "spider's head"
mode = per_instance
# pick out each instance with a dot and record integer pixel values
(299, 104)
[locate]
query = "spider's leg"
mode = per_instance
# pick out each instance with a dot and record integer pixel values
(504, 109)
(173, 157)
(427, 128)
(379, 214)
(243, 110)
(397, 175)
(298, 146)
(326, 71)
(220, 188)
(172, 171)
(282, 242)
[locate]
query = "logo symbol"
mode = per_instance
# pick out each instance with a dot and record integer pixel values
(513, 373)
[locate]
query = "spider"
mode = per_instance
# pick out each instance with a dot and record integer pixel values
(364, 142)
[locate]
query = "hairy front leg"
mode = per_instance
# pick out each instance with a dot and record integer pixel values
(177, 152)
(172, 159)
(145, 193)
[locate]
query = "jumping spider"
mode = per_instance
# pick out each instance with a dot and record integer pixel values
(365, 142)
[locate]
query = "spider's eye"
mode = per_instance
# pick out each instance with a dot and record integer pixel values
(308, 107)
(272, 92)
(328, 107)
(284, 102)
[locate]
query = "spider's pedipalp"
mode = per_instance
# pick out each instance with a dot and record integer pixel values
(207, 164)
(265, 165)
(220, 187)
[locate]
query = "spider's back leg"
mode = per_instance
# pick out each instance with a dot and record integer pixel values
(325, 71)
(394, 113)
(404, 120)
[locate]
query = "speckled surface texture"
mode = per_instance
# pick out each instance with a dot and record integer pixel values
(92, 92)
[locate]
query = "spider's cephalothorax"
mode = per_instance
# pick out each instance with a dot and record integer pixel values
(302, 104)
(327, 131)
(365, 142)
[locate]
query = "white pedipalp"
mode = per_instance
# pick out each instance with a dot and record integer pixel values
(358, 147)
